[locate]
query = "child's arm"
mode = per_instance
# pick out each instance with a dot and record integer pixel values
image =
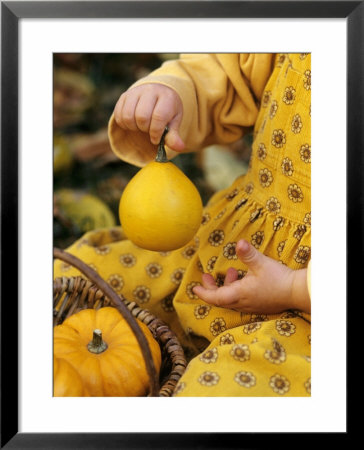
(269, 287)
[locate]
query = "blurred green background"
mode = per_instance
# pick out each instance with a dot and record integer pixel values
(88, 177)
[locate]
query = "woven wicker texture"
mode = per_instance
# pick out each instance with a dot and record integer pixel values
(71, 295)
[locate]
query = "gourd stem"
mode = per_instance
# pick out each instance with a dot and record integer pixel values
(119, 304)
(97, 345)
(161, 154)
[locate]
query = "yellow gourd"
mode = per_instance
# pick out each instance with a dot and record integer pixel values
(160, 208)
(102, 348)
(62, 155)
(84, 210)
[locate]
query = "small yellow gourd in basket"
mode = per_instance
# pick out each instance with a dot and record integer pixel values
(160, 208)
(101, 347)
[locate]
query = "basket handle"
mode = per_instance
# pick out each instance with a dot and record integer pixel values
(118, 303)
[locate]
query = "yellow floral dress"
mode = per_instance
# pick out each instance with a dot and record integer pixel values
(230, 353)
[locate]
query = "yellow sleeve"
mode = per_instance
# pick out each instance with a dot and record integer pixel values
(220, 94)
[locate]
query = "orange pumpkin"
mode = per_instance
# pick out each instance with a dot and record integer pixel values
(101, 346)
(66, 381)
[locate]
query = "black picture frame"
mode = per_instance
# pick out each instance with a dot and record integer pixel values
(11, 12)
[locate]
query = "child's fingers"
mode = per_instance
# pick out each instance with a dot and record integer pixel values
(127, 115)
(161, 116)
(173, 139)
(225, 296)
(249, 255)
(208, 281)
(143, 112)
(149, 108)
(118, 111)
(231, 276)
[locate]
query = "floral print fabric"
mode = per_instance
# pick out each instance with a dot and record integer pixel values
(232, 353)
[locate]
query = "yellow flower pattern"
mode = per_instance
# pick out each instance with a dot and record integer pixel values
(243, 354)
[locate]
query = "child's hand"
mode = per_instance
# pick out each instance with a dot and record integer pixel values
(269, 287)
(149, 108)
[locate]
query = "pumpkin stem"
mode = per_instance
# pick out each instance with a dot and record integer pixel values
(161, 155)
(97, 345)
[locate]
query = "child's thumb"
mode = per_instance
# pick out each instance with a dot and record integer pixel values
(173, 139)
(249, 255)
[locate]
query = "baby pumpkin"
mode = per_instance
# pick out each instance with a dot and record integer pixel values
(102, 348)
(160, 208)
(66, 380)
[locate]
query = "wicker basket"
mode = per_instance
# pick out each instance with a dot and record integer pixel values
(76, 293)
